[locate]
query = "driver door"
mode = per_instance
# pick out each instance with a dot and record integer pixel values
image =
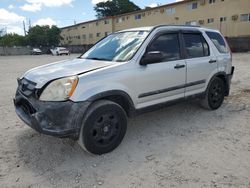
(163, 80)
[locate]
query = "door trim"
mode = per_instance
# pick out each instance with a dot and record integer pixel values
(156, 92)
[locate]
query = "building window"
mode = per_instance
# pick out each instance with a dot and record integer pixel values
(98, 34)
(90, 35)
(97, 23)
(106, 34)
(210, 20)
(191, 23)
(83, 37)
(138, 17)
(223, 19)
(192, 6)
(106, 22)
(245, 17)
(211, 1)
(120, 20)
(170, 10)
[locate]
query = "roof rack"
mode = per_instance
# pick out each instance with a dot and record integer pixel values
(192, 26)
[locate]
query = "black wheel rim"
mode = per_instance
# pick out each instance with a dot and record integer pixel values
(106, 129)
(216, 94)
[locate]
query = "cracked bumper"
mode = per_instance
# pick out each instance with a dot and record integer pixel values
(60, 119)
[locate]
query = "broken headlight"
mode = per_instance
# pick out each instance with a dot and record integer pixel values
(60, 90)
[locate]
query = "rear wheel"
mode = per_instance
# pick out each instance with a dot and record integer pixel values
(104, 127)
(215, 94)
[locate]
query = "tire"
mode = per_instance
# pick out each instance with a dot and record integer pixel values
(103, 127)
(215, 94)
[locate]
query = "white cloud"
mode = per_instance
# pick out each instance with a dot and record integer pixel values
(153, 5)
(98, 1)
(36, 5)
(11, 7)
(7, 17)
(12, 21)
(15, 29)
(31, 7)
(45, 21)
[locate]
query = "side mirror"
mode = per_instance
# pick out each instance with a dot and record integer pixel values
(151, 57)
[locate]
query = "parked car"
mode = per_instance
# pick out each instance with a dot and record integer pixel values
(36, 51)
(125, 74)
(60, 51)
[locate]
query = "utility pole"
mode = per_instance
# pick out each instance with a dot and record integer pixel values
(29, 24)
(24, 29)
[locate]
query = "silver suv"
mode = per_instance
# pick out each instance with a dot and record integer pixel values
(126, 73)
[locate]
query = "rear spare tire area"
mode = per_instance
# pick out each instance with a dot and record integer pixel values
(103, 127)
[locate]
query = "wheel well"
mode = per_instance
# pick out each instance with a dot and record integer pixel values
(122, 101)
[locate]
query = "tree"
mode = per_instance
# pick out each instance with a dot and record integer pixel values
(37, 36)
(54, 36)
(44, 35)
(13, 39)
(114, 7)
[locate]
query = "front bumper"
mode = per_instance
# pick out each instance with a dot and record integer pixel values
(61, 119)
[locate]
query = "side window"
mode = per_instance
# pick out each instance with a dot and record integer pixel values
(205, 47)
(196, 45)
(218, 41)
(168, 45)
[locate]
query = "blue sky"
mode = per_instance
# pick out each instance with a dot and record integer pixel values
(58, 12)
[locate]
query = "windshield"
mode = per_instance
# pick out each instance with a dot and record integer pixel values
(119, 47)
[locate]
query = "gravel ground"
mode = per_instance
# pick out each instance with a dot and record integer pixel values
(180, 146)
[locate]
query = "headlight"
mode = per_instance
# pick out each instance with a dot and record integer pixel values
(60, 90)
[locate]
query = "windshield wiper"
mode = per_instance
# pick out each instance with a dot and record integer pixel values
(99, 59)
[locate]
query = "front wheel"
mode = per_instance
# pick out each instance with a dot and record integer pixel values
(215, 94)
(103, 127)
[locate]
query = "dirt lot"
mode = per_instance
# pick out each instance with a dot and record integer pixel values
(180, 146)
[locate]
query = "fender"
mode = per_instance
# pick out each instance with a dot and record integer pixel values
(129, 105)
(225, 77)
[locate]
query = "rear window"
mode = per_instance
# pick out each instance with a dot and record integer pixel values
(195, 45)
(218, 41)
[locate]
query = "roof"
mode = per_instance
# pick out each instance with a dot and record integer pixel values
(139, 29)
(174, 27)
(129, 13)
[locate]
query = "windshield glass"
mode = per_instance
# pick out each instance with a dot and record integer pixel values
(119, 47)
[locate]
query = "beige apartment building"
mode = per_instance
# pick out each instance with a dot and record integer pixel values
(231, 17)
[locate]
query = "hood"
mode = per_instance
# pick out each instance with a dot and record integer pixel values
(43, 74)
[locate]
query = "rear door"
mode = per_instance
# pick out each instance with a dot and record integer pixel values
(200, 61)
(224, 56)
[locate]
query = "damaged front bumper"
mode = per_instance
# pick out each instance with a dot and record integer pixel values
(61, 119)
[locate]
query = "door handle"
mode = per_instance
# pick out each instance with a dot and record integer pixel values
(212, 61)
(179, 66)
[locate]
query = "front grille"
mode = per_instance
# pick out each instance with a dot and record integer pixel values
(26, 107)
(26, 87)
